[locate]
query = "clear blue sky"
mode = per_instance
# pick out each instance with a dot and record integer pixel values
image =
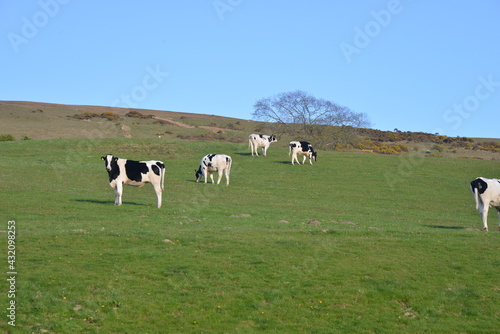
(418, 65)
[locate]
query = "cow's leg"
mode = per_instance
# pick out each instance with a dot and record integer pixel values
(212, 177)
(227, 180)
(205, 174)
(310, 159)
(498, 212)
(304, 160)
(264, 150)
(219, 176)
(118, 193)
(294, 156)
(253, 147)
(158, 191)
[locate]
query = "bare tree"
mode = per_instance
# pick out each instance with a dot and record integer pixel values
(309, 114)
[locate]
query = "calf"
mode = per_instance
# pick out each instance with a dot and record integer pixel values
(134, 173)
(212, 163)
(302, 147)
(486, 193)
(256, 141)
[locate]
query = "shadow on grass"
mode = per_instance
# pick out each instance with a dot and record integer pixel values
(94, 201)
(445, 227)
(283, 162)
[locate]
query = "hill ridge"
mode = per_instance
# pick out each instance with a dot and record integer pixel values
(43, 120)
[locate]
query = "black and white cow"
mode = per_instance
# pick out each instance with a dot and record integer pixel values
(486, 193)
(212, 163)
(302, 147)
(135, 173)
(255, 141)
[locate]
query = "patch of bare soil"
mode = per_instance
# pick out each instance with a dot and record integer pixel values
(126, 131)
(314, 222)
(187, 126)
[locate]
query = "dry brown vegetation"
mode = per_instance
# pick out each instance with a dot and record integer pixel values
(33, 120)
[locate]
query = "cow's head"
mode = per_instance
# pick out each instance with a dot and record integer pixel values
(198, 174)
(273, 138)
(313, 155)
(109, 160)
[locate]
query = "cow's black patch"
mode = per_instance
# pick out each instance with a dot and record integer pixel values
(198, 173)
(480, 185)
(155, 169)
(115, 170)
(134, 169)
(211, 156)
(305, 146)
(293, 145)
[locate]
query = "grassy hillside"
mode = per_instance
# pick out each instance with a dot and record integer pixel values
(50, 121)
(357, 243)
(32, 120)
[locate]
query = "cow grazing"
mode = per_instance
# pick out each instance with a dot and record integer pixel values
(212, 163)
(256, 141)
(486, 193)
(135, 173)
(302, 147)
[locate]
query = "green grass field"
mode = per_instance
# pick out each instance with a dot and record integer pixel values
(398, 248)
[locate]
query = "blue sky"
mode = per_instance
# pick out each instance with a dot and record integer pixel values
(413, 65)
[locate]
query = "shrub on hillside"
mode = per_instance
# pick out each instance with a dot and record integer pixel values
(138, 114)
(438, 148)
(487, 146)
(7, 138)
(110, 116)
(380, 147)
(86, 115)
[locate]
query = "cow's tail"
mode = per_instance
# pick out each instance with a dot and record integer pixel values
(162, 172)
(229, 162)
(476, 197)
(475, 192)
